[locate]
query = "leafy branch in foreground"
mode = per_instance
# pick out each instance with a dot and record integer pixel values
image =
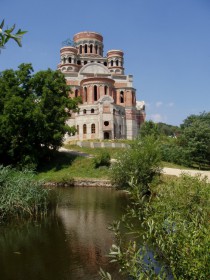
(167, 235)
(6, 35)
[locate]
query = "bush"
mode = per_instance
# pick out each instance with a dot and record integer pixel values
(140, 164)
(21, 195)
(102, 159)
(173, 153)
(174, 230)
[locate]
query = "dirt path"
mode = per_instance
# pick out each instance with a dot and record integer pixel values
(178, 172)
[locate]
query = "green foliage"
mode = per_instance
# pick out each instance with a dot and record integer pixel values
(6, 35)
(20, 195)
(195, 139)
(102, 159)
(168, 130)
(149, 128)
(140, 163)
(171, 236)
(172, 152)
(33, 112)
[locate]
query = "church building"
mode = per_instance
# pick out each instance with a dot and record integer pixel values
(109, 109)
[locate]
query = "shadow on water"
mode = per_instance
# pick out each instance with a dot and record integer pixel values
(71, 243)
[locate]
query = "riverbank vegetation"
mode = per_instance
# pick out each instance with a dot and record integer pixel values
(21, 195)
(167, 222)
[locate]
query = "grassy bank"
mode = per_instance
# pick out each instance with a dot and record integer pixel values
(64, 166)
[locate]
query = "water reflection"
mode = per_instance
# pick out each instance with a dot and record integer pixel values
(71, 244)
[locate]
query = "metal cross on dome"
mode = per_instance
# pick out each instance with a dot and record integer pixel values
(68, 42)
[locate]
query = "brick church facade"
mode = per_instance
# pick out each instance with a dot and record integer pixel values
(109, 109)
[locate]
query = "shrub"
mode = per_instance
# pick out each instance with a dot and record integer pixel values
(102, 159)
(173, 229)
(140, 164)
(173, 153)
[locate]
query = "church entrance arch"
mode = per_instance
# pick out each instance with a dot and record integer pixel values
(106, 135)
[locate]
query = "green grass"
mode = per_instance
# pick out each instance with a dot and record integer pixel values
(64, 167)
(114, 152)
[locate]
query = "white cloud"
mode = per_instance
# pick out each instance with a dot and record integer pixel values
(147, 105)
(156, 118)
(171, 104)
(158, 104)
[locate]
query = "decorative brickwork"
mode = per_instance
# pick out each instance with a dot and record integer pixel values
(109, 108)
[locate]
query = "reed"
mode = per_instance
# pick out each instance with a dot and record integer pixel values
(20, 195)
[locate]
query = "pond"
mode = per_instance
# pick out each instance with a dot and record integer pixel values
(71, 243)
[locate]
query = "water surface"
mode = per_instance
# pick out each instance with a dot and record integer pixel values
(72, 243)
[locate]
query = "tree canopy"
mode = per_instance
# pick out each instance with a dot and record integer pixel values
(195, 138)
(33, 113)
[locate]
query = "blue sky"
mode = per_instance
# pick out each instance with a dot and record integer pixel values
(166, 45)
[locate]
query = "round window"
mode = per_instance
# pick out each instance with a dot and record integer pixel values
(106, 123)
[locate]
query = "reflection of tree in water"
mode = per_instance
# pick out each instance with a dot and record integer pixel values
(70, 245)
(34, 251)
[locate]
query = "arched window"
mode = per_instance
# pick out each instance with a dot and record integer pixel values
(96, 49)
(121, 97)
(84, 111)
(117, 62)
(93, 128)
(77, 129)
(80, 48)
(85, 62)
(85, 94)
(105, 63)
(105, 90)
(95, 93)
(91, 48)
(64, 60)
(76, 93)
(78, 62)
(112, 62)
(92, 111)
(84, 129)
(69, 59)
(85, 48)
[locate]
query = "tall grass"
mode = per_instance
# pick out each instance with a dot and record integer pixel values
(20, 195)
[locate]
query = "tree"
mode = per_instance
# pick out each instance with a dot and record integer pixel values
(168, 130)
(149, 128)
(33, 114)
(6, 35)
(195, 139)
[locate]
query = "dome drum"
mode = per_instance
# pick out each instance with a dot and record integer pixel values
(88, 36)
(68, 50)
